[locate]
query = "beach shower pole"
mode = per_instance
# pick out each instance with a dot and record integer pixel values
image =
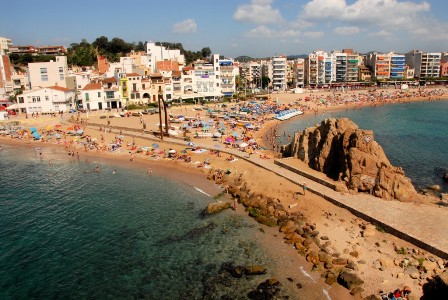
(159, 98)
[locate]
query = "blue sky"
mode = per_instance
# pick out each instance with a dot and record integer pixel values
(257, 28)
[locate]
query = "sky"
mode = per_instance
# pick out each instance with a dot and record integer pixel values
(256, 28)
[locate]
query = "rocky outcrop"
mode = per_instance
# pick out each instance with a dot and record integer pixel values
(348, 154)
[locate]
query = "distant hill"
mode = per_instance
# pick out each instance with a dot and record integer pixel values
(290, 57)
(243, 58)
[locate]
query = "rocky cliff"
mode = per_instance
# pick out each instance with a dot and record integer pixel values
(346, 153)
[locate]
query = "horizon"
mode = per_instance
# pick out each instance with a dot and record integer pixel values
(282, 27)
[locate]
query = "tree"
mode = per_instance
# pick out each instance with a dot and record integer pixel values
(140, 46)
(265, 80)
(102, 43)
(206, 52)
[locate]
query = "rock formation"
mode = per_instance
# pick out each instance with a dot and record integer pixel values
(346, 153)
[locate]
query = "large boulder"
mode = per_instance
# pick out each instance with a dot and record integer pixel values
(338, 148)
(217, 206)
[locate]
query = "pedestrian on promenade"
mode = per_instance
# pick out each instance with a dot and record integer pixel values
(304, 188)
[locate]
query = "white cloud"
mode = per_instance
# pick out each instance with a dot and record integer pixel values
(263, 31)
(258, 12)
(383, 12)
(381, 33)
(187, 26)
(313, 34)
(349, 30)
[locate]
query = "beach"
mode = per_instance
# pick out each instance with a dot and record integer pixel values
(128, 137)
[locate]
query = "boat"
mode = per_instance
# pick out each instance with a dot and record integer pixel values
(288, 114)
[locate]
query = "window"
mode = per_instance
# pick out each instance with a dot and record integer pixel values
(43, 70)
(99, 94)
(36, 99)
(143, 86)
(109, 94)
(217, 85)
(47, 98)
(86, 95)
(21, 100)
(43, 77)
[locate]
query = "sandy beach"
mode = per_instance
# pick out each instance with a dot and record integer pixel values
(127, 142)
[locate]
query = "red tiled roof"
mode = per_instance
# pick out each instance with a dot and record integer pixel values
(92, 86)
(110, 80)
(132, 74)
(59, 88)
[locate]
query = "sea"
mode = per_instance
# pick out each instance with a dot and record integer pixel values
(413, 135)
(68, 232)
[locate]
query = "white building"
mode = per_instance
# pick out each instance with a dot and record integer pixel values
(207, 78)
(228, 73)
(45, 74)
(426, 65)
(5, 44)
(101, 94)
(279, 73)
(45, 100)
(159, 53)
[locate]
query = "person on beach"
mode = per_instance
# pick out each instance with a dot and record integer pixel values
(149, 171)
(235, 202)
(304, 187)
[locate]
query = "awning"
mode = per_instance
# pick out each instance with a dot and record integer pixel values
(212, 94)
(13, 106)
(187, 96)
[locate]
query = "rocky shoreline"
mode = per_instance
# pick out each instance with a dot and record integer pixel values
(335, 266)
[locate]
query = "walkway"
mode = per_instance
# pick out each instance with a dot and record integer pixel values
(422, 225)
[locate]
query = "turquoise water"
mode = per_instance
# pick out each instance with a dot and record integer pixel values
(69, 233)
(413, 136)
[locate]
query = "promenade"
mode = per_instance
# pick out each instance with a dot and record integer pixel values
(419, 224)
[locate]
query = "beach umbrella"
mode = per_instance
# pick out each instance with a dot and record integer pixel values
(80, 131)
(120, 136)
(58, 136)
(190, 144)
(70, 128)
(235, 134)
(251, 141)
(172, 151)
(36, 135)
(155, 145)
(32, 129)
(243, 145)
(217, 134)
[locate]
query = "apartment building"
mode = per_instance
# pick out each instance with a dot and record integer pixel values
(28, 49)
(5, 44)
(159, 53)
(52, 50)
(397, 65)
(227, 71)
(352, 68)
(207, 77)
(279, 73)
(426, 65)
(380, 65)
(315, 71)
(45, 74)
(101, 94)
(45, 100)
(299, 72)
